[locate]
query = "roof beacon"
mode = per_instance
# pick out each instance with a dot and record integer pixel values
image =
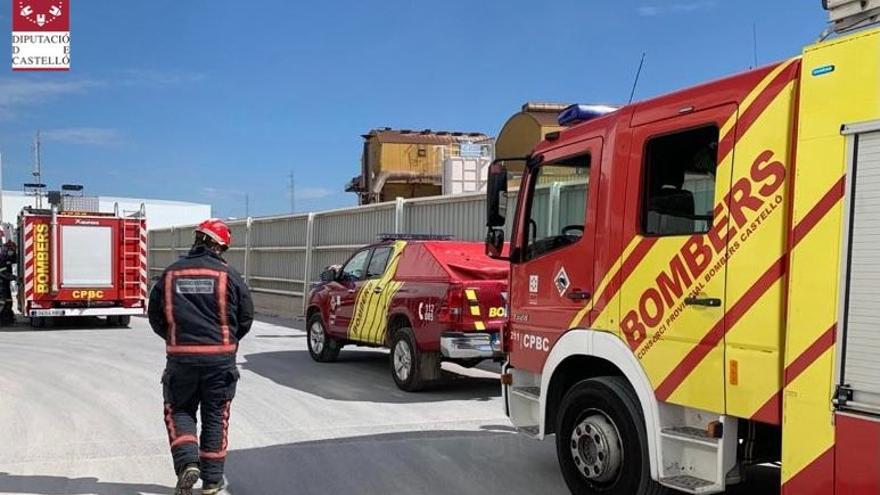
(575, 114)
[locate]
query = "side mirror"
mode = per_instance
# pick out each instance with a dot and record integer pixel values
(329, 274)
(495, 243)
(496, 195)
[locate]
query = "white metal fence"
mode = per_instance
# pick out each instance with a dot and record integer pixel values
(281, 256)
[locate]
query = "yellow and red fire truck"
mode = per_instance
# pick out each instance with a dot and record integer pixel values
(77, 261)
(695, 280)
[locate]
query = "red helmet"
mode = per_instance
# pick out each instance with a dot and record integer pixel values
(217, 230)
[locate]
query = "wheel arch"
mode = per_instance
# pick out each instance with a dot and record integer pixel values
(313, 308)
(582, 354)
(396, 321)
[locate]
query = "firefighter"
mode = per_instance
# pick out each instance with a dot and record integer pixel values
(202, 308)
(8, 259)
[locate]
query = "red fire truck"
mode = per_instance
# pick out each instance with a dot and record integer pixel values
(76, 261)
(694, 280)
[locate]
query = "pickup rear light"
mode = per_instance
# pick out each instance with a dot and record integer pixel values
(452, 309)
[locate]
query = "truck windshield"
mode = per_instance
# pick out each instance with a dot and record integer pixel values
(558, 205)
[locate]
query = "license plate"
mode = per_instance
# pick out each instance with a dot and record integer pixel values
(47, 312)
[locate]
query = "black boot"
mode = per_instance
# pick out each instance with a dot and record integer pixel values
(213, 488)
(188, 477)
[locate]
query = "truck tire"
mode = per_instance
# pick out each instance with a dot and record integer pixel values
(38, 322)
(412, 369)
(121, 321)
(601, 441)
(322, 347)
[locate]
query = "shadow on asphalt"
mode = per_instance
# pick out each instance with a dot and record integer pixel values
(59, 485)
(363, 376)
(412, 463)
(421, 463)
(66, 323)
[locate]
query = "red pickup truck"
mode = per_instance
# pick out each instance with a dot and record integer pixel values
(427, 300)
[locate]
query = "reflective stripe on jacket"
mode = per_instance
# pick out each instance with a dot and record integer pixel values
(201, 306)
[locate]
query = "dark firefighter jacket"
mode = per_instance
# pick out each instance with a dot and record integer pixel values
(201, 307)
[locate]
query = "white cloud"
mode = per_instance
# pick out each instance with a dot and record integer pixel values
(95, 136)
(20, 92)
(219, 193)
(656, 10)
(312, 193)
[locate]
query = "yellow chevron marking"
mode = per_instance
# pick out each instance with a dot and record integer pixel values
(479, 325)
(473, 302)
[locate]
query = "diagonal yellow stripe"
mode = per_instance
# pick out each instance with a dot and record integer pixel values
(606, 279)
(753, 95)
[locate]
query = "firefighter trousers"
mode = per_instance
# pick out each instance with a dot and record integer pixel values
(7, 316)
(209, 390)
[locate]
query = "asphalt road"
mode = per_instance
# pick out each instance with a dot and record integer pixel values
(81, 413)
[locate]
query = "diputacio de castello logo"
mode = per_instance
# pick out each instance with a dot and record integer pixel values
(40, 35)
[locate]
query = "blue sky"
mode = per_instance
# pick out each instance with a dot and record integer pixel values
(206, 101)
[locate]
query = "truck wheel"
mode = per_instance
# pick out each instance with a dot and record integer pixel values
(322, 347)
(122, 321)
(412, 369)
(38, 321)
(601, 441)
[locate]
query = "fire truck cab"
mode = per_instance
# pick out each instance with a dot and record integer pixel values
(694, 282)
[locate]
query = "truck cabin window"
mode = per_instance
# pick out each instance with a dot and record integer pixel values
(558, 205)
(378, 262)
(679, 186)
(354, 270)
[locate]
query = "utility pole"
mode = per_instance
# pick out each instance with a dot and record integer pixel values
(247, 205)
(290, 190)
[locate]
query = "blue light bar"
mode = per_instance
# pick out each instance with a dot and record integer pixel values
(575, 114)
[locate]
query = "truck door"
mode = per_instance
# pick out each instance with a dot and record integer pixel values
(552, 269)
(673, 298)
(343, 292)
(370, 320)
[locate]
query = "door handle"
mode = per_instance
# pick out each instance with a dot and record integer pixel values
(578, 295)
(712, 302)
(378, 290)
